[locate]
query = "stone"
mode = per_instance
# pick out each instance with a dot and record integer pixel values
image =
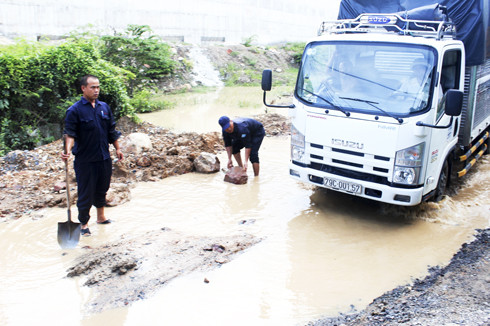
(143, 161)
(59, 186)
(135, 143)
(236, 175)
(120, 170)
(207, 163)
(173, 151)
(118, 194)
(15, 157)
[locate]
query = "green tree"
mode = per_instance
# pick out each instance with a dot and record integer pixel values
(140, 52)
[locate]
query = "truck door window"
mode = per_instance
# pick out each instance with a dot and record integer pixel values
(451, 69)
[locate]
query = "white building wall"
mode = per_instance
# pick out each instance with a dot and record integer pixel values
(192, 21)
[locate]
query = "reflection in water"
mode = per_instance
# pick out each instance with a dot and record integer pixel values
(322, 251)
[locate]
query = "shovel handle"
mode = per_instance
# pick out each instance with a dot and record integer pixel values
(68, 203)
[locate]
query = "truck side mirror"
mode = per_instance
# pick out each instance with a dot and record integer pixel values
(266, 80)
(267, 86)
(454, 102)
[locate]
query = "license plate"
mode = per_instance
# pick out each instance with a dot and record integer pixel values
(342, 185)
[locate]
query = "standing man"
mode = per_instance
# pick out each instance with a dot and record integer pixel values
(243, 132)
(90, 128)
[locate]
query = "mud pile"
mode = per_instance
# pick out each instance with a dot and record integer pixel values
(31, 180)
(135, 268)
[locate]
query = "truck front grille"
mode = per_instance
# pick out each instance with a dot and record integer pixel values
(350, 163)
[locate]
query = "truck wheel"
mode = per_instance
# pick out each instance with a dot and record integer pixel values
(440, 190)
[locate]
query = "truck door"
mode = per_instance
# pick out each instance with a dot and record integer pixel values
(443, 140)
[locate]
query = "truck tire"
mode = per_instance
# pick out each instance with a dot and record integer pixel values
(442, 183)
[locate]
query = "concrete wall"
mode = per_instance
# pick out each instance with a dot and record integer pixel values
(192, 21)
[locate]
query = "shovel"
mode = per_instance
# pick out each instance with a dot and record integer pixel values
(68, 232)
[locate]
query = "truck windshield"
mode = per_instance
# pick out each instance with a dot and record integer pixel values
(397, 77)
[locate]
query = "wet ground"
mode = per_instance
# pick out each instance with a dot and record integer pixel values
(456, 294)
(271, 252)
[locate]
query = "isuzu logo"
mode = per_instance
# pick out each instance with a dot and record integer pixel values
(347, 143)
(379, 19)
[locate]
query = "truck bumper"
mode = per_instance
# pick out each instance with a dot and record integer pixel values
(369, 190)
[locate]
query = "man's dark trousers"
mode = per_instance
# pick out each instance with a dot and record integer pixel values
(93, 180)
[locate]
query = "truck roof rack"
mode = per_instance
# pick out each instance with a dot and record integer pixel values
(389, 23)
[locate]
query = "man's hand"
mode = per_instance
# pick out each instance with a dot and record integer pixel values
(67, 146)
(119, 154)
(245, 167)
(64, 156)
(230, 164)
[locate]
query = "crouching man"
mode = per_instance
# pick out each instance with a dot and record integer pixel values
(242, 133)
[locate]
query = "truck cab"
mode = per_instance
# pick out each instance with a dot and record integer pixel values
(377, 107)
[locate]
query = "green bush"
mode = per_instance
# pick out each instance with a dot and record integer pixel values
(39, 82)
(144, 101)
(249, 40)
(297, 49)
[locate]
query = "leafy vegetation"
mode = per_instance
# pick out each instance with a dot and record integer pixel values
(38, 82)
(249, 40)
(297, 49)
(140, 52)
(146, 101)
(245, 69)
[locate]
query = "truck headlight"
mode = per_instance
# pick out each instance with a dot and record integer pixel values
(408, 164)
(297, 154)
(405, 176)
(297, 145)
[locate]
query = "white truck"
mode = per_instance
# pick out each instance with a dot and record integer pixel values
(387, 108)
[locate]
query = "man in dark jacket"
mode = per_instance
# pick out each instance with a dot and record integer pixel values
(90, 128)
(240, 133)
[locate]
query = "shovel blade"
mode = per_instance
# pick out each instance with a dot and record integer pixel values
(68, 234)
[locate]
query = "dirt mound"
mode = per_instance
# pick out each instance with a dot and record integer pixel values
(133, 269)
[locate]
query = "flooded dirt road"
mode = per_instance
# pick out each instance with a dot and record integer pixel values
(321, 253)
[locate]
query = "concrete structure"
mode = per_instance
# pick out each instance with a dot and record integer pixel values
(192, 21)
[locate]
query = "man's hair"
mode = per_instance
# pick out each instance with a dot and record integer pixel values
(84, 79)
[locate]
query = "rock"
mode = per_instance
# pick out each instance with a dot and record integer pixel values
(120, 170)
(135, 143)
(15, 157)
(207, 163)
(118, 194)
(59, 186)
(143, 161)
(221, 260)
(236, 175)
(173, 151)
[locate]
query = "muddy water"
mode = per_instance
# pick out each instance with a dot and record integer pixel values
(322, 252)
(200, 112)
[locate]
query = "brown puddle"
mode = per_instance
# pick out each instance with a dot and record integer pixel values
(323, 252)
